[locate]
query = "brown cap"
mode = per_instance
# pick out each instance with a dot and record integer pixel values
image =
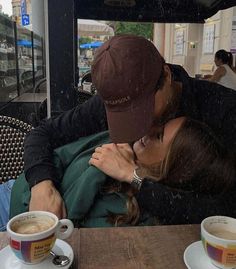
(125, 72)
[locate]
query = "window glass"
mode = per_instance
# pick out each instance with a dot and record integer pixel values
(8, 81)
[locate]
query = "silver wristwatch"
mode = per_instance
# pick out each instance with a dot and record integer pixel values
(136, 182)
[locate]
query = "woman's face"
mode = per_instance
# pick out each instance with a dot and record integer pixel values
(151, 150)
(217, 61)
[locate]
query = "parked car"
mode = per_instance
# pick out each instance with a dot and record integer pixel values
(8, 89)
(26, 80)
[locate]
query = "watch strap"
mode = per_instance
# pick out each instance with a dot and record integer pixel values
(136, 182)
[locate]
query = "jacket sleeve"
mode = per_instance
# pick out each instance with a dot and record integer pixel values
(229, 131)
(175, 207)
(86, 119)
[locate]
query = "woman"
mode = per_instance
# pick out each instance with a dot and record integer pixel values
(225, 73)
(187, 159)
(184, 156)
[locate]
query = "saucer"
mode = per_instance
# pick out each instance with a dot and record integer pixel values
(9, 261)
(196, 258)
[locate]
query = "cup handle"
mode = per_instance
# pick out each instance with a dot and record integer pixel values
(70, 227)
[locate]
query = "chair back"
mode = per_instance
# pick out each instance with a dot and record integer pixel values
(12, 134)
(40, 86)
(83, 96)
(87, 77)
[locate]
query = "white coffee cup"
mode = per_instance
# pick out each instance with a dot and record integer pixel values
(33, 234)
(218, 234)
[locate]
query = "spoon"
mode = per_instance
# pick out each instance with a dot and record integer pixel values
(59, 260)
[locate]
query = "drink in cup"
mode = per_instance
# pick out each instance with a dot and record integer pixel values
(32, 234)
(218, 234)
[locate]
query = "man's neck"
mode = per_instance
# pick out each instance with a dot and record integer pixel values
(177, 93)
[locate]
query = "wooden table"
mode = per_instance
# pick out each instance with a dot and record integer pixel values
(159, 247)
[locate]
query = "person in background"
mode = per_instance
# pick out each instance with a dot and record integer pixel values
(137, 91)
(225, 74)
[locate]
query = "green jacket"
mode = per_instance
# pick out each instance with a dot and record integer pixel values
(80, 185)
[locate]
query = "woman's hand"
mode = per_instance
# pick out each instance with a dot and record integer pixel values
(115, 160)
(126, 151)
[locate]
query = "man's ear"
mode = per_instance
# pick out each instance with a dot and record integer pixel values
(167, 74)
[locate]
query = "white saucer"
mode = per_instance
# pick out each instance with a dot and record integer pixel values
(9, 261)
(196, 258)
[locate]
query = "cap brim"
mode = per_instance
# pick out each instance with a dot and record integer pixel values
(133, 123)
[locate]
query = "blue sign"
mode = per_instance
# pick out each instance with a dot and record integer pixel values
(23, 7)
(25, 19)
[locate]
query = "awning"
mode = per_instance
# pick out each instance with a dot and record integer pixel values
(91, 27)
(92, 45)
(168, 11)
(25, 43)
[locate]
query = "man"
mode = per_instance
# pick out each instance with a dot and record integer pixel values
(139, 91)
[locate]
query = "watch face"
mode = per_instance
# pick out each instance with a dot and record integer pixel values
(136, 183)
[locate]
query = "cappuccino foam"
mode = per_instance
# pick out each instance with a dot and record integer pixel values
(224, 234)
(32, 225)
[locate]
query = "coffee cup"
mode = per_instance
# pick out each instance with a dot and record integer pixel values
(32, 234)
(218, 234)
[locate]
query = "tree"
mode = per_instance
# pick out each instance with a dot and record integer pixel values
(84, 40)
(6, 26)
(140, 29)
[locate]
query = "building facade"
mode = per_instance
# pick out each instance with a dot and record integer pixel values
(193, 46)
(16, 10)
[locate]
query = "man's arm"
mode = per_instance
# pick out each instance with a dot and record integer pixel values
(81, 121)
(174, 207)
(39, 144)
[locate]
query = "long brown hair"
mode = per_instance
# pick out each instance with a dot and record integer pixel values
(133, 212)
(196, 161)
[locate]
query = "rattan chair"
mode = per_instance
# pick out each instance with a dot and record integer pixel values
(87, 77)
(83, 96)
(12, 134)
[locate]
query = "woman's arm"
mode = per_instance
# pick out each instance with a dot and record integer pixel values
(218, 74)
(208, 76)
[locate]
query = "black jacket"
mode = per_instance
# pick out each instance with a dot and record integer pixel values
(202, 100)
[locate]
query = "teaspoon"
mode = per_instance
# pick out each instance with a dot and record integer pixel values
(59, 260)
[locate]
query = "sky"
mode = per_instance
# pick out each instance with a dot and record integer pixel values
(6, 6)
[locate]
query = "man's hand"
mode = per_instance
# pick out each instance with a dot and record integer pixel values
(45, 197)
(117, 161)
